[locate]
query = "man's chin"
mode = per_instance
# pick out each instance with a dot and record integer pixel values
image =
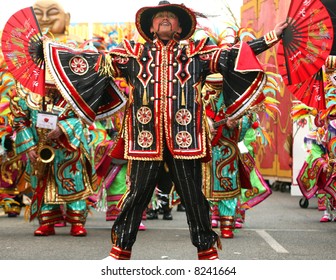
(165, 34)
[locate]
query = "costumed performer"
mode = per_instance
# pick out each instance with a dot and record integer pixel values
(165, 120)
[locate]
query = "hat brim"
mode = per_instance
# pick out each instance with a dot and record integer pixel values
(144, 16)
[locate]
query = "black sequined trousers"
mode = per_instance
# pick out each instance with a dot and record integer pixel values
(144, 176)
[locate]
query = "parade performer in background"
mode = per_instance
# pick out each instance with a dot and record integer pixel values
(54, 21)
(232, 174)
(232, 171)
(66, 176)
(11, 183)
(12, 187)
(330, 90)
(225, 177)
(312, 176)
(111, 172)
(162, 201)
(233, 183)
(11, 169)
(260, 190)
(327, 198)
(316, 176)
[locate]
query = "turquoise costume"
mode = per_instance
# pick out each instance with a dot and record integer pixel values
(226, 167)
(232, 182)
(69, 178)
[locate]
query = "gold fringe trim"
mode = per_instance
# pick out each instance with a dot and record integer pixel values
(330, 62)
(271, 38)
(27, 213)
(105, 65)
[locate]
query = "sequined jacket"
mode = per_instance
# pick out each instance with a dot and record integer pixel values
(165, 101)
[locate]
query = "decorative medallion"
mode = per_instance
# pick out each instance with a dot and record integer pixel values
(183, 139)
(183, 117)
(144, 115)
(145, 139)
(78, 65)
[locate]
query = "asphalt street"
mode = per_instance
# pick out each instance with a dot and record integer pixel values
(276, 229)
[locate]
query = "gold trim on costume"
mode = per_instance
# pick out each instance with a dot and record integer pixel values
(271, 38)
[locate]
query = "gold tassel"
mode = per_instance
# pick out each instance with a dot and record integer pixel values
(144, 98)
(27, 213)
(183, 101)
(104, 65)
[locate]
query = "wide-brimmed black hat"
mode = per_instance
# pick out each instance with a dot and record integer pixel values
(187, 19)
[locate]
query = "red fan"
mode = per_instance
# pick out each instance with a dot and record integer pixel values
(311, 91)
(23, 50)
(331, 7)
(306, 42)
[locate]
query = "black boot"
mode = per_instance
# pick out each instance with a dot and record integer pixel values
(165, 206)
(167, 214)
(152, 214)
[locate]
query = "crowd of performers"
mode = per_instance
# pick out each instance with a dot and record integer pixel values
(111, 169)
(245, 189)
(317, 175)
(86, 164)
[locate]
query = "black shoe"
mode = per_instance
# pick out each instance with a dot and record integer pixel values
(152, 215)
(167, 216)
(180, 208)
(12, 215)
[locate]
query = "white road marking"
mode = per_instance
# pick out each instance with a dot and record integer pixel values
(272, 242)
